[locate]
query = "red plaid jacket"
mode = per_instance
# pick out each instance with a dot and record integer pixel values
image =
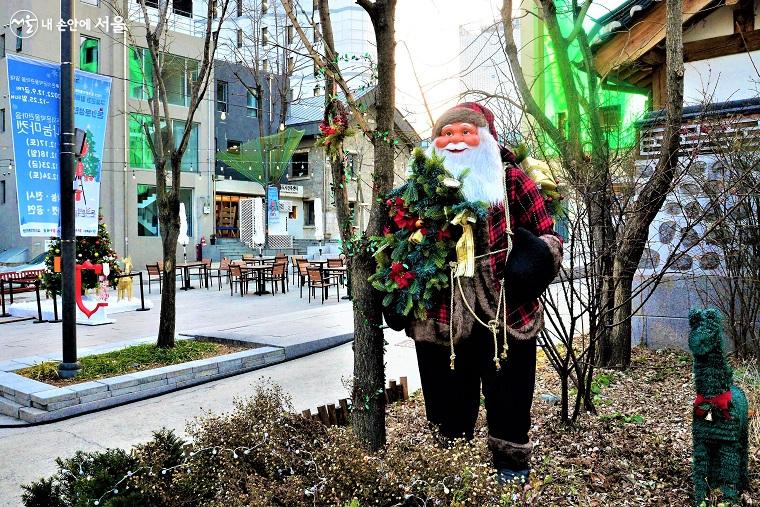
(527, 210)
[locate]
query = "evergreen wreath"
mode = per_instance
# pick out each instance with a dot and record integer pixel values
(335, 130)
(419, 241)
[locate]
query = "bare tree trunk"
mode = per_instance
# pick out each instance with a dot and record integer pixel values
(368, 419)
(636, 228)
(168, 207)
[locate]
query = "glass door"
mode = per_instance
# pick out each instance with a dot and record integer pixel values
(227, 216)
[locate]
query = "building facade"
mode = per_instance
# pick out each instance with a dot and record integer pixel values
(128, 196)
(309, 180)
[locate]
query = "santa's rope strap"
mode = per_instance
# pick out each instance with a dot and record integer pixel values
(493, 324)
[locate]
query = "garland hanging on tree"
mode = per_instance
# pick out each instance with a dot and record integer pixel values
(334, 131)
(419, 241)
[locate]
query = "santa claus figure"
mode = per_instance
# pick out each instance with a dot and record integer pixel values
(484, 337)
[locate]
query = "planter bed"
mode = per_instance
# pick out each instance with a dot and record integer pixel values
(35, 401)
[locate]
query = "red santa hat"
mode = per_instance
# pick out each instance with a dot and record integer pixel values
(467, 112)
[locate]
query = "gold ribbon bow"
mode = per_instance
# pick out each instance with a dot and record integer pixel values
(465, 244)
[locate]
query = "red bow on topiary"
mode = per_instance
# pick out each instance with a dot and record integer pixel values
(719, 402)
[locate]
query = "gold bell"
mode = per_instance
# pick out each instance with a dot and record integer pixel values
(417, 237)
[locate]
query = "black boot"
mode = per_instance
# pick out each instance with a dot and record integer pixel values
(512, 461)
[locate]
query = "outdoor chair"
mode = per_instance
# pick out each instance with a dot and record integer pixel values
(237, 275)
(303, 274)
(221, 270)
(337, 263)
(278, 274)
(294, 266)
(207, 273)
(154, 272)
(317, 280)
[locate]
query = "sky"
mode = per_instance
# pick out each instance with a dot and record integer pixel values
(429, 29)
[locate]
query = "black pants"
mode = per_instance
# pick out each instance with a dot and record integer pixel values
(452, 397)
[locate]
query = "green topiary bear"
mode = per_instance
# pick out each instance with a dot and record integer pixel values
(719, 427)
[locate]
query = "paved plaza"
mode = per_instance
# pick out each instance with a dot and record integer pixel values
(29, 453)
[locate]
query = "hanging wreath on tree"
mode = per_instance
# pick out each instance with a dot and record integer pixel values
(419, 241)
(335, 130)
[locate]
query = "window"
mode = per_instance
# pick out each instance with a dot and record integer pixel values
(308, 213)
(190, 157)
(352, 212)
(221, 96)
(288, 35)
(264, 6)
(233, 147)
(292, 215)
(317, 90)
(140, 74)
(240, 37)
(2, 192)
(179, 75)
(19, 40)
(299, 164)
(352, 164)
(264, 35)
(147, 210)
(609, 117)
(2, 45)
(183, 8)
(88, 53)
(2, 120)
(140, 154)
(239, 8)
(291, 64)
(251, 105)
(265, 66)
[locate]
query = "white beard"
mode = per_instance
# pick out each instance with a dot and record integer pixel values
(485, 181)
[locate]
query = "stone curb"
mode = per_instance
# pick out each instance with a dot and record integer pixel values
(37, 402)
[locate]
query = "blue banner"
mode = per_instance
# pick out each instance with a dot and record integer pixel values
(34, 93)
(91, 97)
(273, 208)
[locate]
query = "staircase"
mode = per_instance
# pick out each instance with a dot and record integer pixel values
(233, 248)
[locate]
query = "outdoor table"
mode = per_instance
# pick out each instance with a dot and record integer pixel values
(259, 269)
(260, 260)
(142, 295)
(185, 267)
(320, 262)
(22, 282)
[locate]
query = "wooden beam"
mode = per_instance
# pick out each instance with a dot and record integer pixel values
(626, 47)
(659, 94)
(721, 46)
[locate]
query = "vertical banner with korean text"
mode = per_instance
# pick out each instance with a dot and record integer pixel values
(34, 96)
(92, 94)
(275, 224)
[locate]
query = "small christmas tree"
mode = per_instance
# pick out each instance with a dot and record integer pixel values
(96, 249)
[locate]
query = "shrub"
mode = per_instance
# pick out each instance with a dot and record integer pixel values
(263, 454)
